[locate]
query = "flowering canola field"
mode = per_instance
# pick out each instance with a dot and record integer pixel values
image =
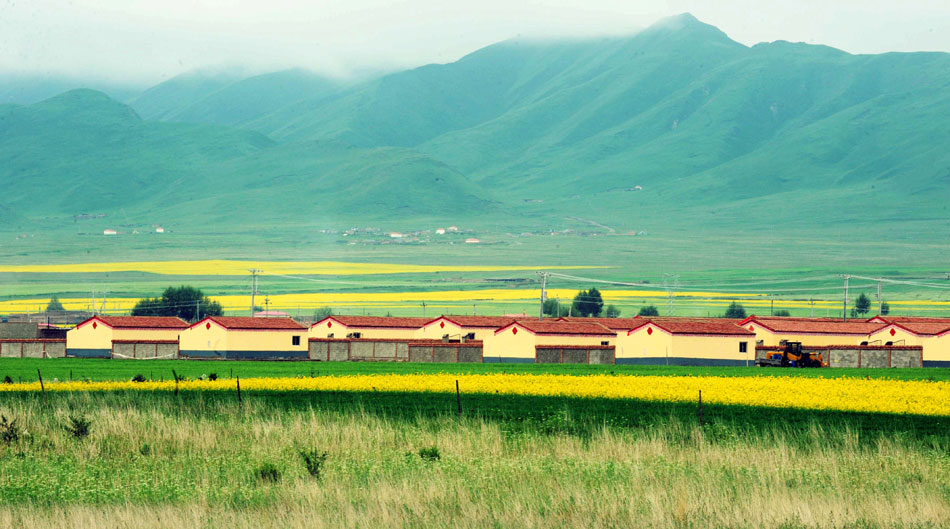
(840, 394)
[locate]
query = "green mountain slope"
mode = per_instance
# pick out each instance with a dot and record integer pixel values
(84, 152)
(223, 102)
(170, 97)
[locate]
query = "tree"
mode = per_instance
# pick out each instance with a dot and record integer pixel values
(551, 308)
(612, 312)
(323, 313)
(54, 305)
(885, 309)
(649, 310)
(862, 305)
(782, 313)
(734, 311)
(185, 302)
(588, 303)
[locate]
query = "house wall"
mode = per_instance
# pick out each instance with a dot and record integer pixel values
(381, 333)
(434, 331)
(936, 348)
(326, 328)
(662, 348)
(204, 341)
(509, 346)
(87, 341)
(32, 348)
(769, 338)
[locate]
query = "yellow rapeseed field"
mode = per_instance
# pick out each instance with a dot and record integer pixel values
(842, 394)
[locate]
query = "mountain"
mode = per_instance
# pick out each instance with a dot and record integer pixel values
(84, 152)
(26, 89)
(228, 99)
(675, 127)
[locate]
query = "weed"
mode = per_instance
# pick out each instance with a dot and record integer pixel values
(138, 378)
(268, 472)
(430, 453)
(78, 426)
(213, 376)
(9, 430)
(145, 449)
(314, 461)
(7, 380)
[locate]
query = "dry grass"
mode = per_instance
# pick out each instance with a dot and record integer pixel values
(198, 473)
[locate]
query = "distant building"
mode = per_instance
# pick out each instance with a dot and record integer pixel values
(440, 231)
(472, 240)
(109, 232)
(244, 338)
(453, 228)
(94, 337)
(159, 230)
(367, 327)
(396, 235)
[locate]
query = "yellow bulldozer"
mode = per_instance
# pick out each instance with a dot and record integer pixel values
(792, 356)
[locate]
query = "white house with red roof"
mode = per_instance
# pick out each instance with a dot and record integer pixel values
(94, 337)
(517, 342)
(686, 341)
(932, 335)
(244, 338)
(772, 331)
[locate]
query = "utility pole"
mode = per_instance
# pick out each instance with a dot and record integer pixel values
(879, 300)
(423, 309)
(845, 310)
(473, 310)
(544, 282)
(197, 309)
(254, 272)
(670, 285)
(266, 306)
(812, 312)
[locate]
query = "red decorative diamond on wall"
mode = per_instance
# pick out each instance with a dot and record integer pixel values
(649, 330)
(514, 330)
(94, 325)
(442, 324)
(751, 328)
(893, 332)
(208, 325)
(329, 324)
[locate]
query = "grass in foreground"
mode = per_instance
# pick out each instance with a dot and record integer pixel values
(161, 461)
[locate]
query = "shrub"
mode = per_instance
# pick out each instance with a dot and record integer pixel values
(78, 426)
(268, 472)
(138, 378)
(314, 461)
(9, 430)
(429, 454)
(213, 376)
(7, 380)
(145, 449)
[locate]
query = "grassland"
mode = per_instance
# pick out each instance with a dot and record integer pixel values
(195, 460)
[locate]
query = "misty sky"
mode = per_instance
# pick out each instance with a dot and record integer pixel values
(146, 42)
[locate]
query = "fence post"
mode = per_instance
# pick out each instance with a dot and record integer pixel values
(176, 381)
(239, 389)
(458, 398)
(42, 387)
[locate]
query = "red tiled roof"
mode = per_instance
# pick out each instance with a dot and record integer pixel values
(753, 317)
(563, 327)
(923, 328)
(912, 319)
(815, 326)
(141, 322)
(722, 326)
(488, 322)
(614, 324)
(381, 321)
(239, 322)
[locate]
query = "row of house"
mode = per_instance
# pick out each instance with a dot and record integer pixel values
(640, 340)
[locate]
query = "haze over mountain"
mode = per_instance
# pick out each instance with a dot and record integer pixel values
(676, 125)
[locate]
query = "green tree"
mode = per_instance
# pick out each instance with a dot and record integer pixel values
(734, 311)
(588, 303)
(551, 308)
(612, 311)
(649, 310)
(54, 305)
(782, 313)
(862, 305)
(185, 302)
(320, 314)
(885, 309)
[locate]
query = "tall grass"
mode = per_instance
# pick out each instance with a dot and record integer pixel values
(200, 471)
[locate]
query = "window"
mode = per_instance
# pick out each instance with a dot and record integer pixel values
(296, 340)
(743, 347)
(604, 343)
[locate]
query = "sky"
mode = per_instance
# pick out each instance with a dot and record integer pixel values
(148, 41)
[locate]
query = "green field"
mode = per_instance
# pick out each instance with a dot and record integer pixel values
(204, 460)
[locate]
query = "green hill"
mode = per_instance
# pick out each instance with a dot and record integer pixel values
(677, 127)
(83, 152)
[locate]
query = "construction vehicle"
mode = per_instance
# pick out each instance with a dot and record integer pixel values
(792, 356)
